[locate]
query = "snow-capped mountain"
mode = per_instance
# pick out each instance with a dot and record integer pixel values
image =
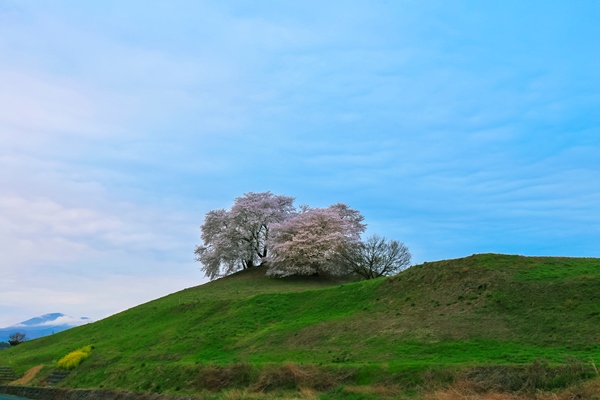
(43, 325)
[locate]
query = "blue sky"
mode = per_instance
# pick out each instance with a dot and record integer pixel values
(457, 127)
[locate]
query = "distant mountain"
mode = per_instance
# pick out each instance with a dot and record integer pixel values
(43, 325)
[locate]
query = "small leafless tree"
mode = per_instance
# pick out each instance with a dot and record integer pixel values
(375, 257)
(16, 338)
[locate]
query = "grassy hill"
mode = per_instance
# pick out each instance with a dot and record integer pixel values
(480, 313)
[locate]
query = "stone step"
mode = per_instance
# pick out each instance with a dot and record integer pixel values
(7, 374)
(57, 376)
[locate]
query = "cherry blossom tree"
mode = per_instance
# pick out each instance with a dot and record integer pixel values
(307, 243)
(238, 238)
(374, 257)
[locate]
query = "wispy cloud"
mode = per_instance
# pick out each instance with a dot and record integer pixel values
(61, 320)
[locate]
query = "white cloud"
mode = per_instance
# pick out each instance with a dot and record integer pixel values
(45, 232)
(95, 298)
(39, 106)
(62, 320)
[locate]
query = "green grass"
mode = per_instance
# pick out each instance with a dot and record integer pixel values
(483, 310)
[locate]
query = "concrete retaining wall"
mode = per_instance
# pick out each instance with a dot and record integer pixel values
(39, 393)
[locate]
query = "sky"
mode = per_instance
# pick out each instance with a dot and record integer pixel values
(456, 127)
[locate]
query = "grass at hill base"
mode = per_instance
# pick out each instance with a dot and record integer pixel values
(435, 319)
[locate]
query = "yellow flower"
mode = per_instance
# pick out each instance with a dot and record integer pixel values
(74, 358)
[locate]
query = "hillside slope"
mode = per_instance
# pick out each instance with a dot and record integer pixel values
(481, 310)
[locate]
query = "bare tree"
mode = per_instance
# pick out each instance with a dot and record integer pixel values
(16, 338)
(238, 238)
(374, 257)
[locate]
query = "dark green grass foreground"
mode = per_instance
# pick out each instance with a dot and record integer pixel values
(481, 310)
